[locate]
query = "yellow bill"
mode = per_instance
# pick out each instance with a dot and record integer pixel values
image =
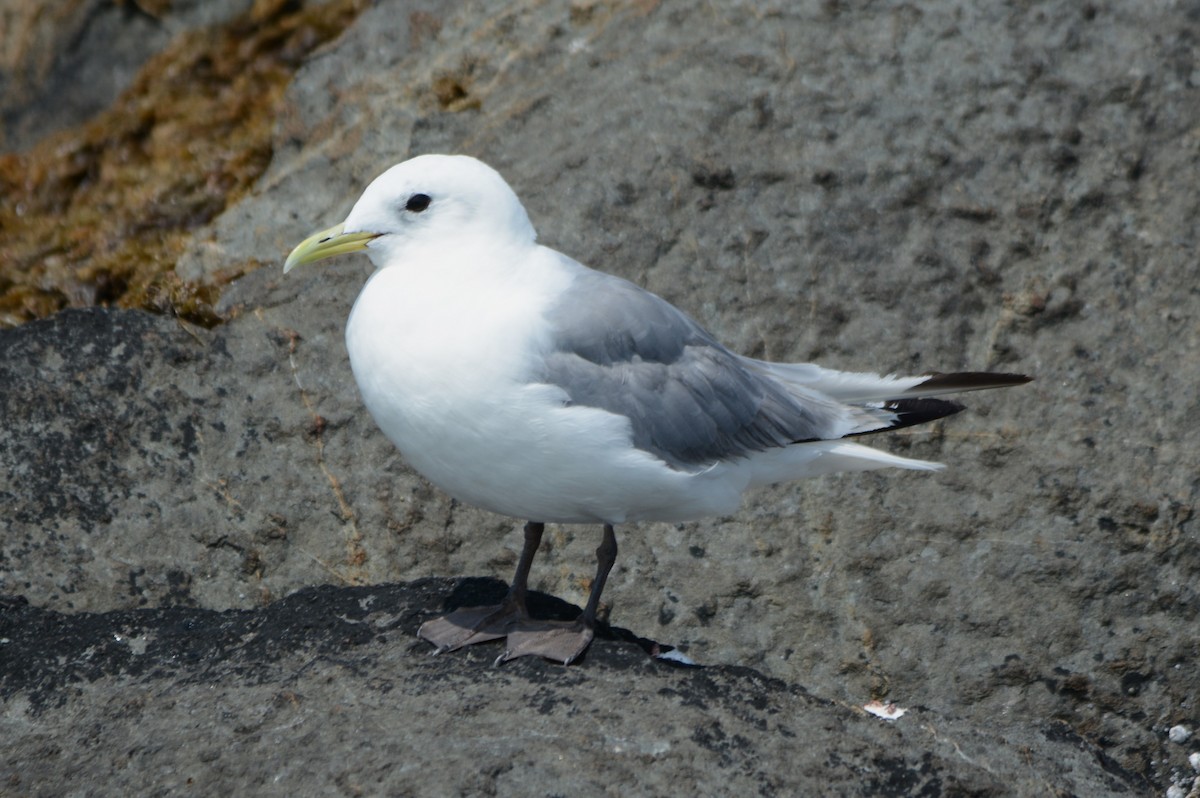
(326, 244)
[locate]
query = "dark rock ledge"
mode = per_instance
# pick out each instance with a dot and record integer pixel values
(160, 701)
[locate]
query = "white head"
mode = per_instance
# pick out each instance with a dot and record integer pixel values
(427, 198)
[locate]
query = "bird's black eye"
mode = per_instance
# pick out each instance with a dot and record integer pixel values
(418, 202)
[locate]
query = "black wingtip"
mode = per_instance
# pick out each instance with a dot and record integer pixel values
(970, 381)
(918, 407)
(918, 411)
(910, 412)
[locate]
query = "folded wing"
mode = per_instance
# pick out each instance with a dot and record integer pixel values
(692, 402)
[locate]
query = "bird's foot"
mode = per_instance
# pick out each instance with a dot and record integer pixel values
(470, 625)
(561, 641)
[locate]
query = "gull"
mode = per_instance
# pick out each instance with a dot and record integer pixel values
(518, 380)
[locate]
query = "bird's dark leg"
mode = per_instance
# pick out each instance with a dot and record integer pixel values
(520, 582)
(469, 625)
(565, 641)
(606, 555)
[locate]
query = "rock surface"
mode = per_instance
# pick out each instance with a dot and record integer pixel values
(327, 692)
(907, 188)
(100, 213)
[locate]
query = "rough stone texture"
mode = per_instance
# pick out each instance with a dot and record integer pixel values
(101, 213)
(326, 692)
(872, 186)
(64, 60)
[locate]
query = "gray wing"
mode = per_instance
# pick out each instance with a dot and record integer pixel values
(690, 400)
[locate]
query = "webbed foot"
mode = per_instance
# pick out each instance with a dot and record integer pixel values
(470, 625)
(561, 641)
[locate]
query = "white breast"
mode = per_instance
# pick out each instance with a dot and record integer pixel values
(445, 360)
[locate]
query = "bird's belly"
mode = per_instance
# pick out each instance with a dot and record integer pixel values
(457, 395)
(521, 452)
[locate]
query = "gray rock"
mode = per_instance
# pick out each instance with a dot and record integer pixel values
(876, 187)
(326, 692)
(65, 62)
